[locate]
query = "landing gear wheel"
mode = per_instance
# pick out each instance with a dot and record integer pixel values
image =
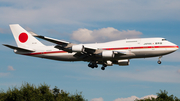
(92, 65)
(159, 62)
(95, 65)
(102, 68)
(89, 65)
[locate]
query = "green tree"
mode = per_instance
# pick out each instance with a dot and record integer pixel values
(28, 92)
(162, 96)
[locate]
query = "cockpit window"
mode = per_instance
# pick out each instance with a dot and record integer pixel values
(164, 40)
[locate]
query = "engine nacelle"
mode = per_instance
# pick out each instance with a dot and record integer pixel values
(107, 54)
(77, 48)
(123, 62)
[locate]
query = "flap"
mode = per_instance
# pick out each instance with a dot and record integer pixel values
(119, 53)
(89, 49)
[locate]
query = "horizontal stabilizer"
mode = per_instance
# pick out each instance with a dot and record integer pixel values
(18, 48)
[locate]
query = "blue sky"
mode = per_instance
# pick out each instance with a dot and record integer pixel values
(61, 19)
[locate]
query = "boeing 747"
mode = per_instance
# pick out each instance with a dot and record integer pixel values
(115, 52)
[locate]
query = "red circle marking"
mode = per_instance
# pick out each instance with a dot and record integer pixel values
(23, 37)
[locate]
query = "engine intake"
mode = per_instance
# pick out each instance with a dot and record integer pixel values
(77, 48)
(123, 62)
(107, 54)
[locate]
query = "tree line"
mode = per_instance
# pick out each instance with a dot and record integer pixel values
(162, 96)
(30, 92)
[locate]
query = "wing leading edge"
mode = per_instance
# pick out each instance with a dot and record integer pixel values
(56, 41)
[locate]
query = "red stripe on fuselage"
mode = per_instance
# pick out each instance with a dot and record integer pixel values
(37, 53)
(123, 48)
(142, 47)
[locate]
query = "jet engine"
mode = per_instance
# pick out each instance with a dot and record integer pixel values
(123, 62)
(77, 48)
(107, 54)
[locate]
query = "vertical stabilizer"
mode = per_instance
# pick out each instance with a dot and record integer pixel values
(23, 38)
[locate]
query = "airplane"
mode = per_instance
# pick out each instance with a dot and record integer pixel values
(115, 52)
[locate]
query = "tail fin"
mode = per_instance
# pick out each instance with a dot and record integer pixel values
(23, 38)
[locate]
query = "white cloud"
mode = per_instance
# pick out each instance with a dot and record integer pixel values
(4, 31)
(4, 74)
(102, 35)
(97, 99)
(149, 96)
(10, 84)
(1, 30)
(178, 71)
(10, 68)
(174, 57)
(149, 73)
(132, 98)
(160, 74)
(76, 12)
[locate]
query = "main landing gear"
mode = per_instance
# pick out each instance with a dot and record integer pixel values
(94, 65)
(103, 67)
(159, 60)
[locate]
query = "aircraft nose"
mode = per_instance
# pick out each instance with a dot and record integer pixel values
(174, 47)
(177, 47)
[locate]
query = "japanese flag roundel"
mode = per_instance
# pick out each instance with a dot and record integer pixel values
(23, 37)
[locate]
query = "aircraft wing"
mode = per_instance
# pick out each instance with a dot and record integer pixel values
(120, 53)
(63, 45)
(91, 50)
(70, 47)
(56, 41)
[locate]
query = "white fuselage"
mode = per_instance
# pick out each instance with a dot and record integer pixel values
(115, 52)
(135, 48)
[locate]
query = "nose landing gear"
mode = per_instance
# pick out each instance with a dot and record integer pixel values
(159, 60)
